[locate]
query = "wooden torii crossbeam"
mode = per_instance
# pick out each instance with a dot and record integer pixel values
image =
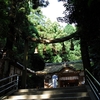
(57, 40)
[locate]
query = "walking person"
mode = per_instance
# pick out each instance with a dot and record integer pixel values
(54, 81)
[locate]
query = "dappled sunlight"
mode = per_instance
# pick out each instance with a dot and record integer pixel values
(48, 92)
(25, 90)
(32, 94)
(52, 93)
(84, 94)
(24, 97)
(42, 96)
(45, 96)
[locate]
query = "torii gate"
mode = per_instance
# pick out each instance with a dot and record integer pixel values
(83, 45)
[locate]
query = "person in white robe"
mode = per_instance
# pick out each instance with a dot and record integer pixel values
(54, 81)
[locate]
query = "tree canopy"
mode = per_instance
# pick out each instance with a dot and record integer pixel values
(22, 22)
(85, 14)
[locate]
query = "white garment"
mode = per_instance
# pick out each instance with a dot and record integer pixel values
(54, 81)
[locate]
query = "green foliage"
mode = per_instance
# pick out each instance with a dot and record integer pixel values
(4, 20)
(25, 22)
(16, 14)
(51, 30)
(16, 26)
(86, 15)
(2, 43)
(69, 29)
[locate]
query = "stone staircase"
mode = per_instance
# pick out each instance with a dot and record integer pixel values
(68, 93)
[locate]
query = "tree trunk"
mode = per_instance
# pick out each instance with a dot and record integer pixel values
(85, 55)
(6, 69)
(8, 49)
(25, 63)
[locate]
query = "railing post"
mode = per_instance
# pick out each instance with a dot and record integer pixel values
(94, 84)
(17, 82)
(10, 86)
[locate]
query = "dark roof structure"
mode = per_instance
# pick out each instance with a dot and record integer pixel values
(57, 67)
(77, 65)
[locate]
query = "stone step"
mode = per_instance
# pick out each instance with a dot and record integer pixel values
(32, 91)
(63, 88)
(51, 93)
(85, 98)
(56, 94)
(53, 90)
(69, 93)
(47, 97)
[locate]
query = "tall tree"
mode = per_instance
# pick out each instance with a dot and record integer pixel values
(14, 18)
(85, 13)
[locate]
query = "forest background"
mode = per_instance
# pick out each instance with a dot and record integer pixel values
(22, 21)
